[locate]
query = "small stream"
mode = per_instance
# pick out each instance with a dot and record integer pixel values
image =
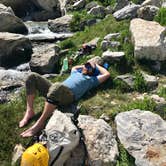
(39, 31)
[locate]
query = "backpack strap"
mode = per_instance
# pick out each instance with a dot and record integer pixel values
(57, 156)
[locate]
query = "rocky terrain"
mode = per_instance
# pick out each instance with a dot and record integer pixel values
(123, 121)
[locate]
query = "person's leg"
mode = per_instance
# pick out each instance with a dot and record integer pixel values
(48, 110)
(34, 82)
(29, 111)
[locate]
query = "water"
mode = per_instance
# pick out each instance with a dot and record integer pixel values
(39, 31)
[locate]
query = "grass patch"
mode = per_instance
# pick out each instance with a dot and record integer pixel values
(124, 158)
(162, 92)
(161, 16)
(11, 114)
(139, 82)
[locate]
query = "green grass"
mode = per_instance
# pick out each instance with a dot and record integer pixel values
(161, 16)
(162, 92)
(10, 115)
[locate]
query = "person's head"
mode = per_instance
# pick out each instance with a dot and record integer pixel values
(88, 69)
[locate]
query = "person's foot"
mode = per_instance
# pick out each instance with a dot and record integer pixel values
(28, 115)
(31, 131)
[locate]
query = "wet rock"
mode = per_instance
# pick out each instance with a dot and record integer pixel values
(15, 49)
(46, 60)
(60, 24)
(11, 23)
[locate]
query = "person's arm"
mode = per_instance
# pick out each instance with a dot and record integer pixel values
(104, 74)
(77, 67)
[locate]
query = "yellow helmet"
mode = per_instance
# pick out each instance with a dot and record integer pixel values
(35, 155)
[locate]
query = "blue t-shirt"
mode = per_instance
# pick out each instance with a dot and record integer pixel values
(79, 83)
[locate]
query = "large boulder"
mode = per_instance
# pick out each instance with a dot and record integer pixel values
(14, 49)
(48, 5)
(100, 141)
(11, 23)
(149, 40)
(4, 8)
(60, 24)
(143, 135)
(20, 7)
(45, 59)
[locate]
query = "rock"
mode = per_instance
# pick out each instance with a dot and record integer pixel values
(48, 5)
(127, 80)
(18, 151)
(97, 60)
(147, 12)
(121, 4)
(163, 4)
(98, 11)
(20, 7)
(15, 49)
(151, 81)
(44, 15)
(4, 8)
(111, 57)
(11, 79)
(142, 134)
(109, 10)
(99, 140)
(149, 40)
(60, 24)
(109, 44)
(46, 60)
(91, 5)
(11, 23)
(79, 4)
(160, 102)
(111, 36)
(129, 11)
(156, 3)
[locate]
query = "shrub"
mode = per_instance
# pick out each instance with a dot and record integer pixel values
(139, 82)
(79, 19)
(161, 16)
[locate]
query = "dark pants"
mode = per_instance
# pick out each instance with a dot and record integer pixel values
(56, 93)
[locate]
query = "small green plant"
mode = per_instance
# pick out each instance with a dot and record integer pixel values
(162, 92)
(161, 16)
(139, 82)
(121, 86)
(124, 158)
(79, 19)
(67, 44)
